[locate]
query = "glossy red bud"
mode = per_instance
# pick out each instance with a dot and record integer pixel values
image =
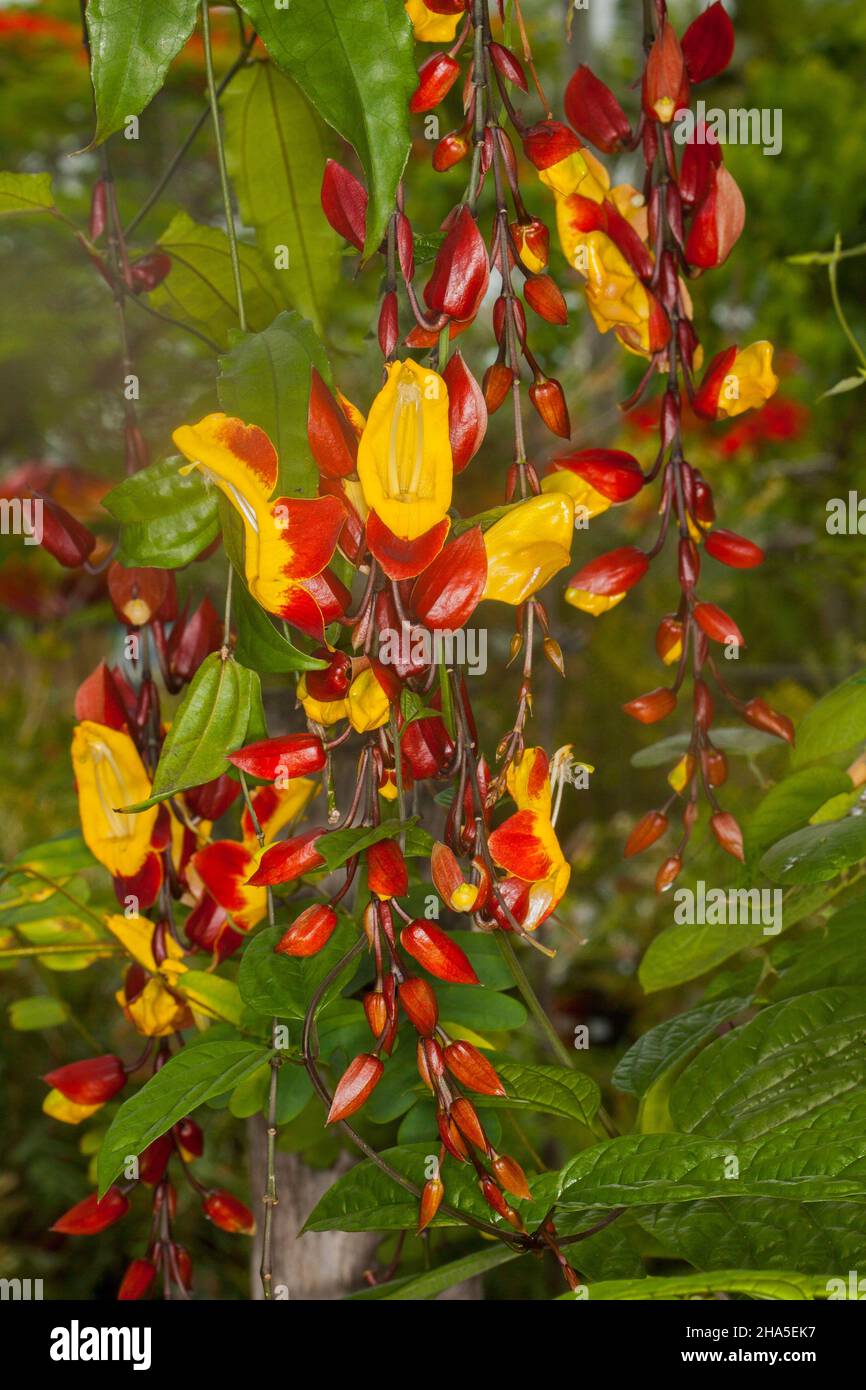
(228, 1212)
(289, 859)
(718, 221)
(358, 1081)
(387, 875)
(762, 716)
(508, 66)
(447, 592)
(544, 296)
(733, 550)
(91, 1216)
(467, 411)
(612, 472)
(149, 271)
(649, 828)
(511, 1176)
(136, 1281)
(715, 766)
(63, 537)
(701, 155)
(595, 113)
(194, 639)
(418, 1003)
(668, 872)
(91, 1082)
(461, 271)
(613, 573)
(309, 932)
(388, 330)
(715, 622)
(189, 1137)
(436, 77)
(548, 398)
(279, 759)
(498, 381)
(472, 1069)
(549, 142)
(650, 708)
(728, 834)
(451, 149)
(665, 82)
(437, 952)
(333, 442)
(708, 43)
(344, 203)
(431, 1200)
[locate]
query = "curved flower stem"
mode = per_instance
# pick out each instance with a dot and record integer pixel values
(221, 161)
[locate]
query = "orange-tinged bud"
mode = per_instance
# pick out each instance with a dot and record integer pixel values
(309, 932)
(467, 411)
(497, 382)
(548, 398)
(733, 550)
(376, 1011)
(495, 1200)
(472, 1069)
(717, 625)
(532, 240)
(387, 875)
(228, 1212)
(419, 1005)
(648, 829)
(511, 1176)
(650, 708)
(91, 1216)
(431, 1200)
(91, 1082)
(136, 1281)
(665, 83)
(436, 77)
(728, 833)
(437, 952)
(544, 296)
(667, 873)
(451, 1137)
(465, 1116)
(358, 1081)
(669, 640)
(715, 766)
(762, 716)
(451, 149)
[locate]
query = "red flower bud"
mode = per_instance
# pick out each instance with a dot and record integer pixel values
(99, 699)
(532, 240)
(333, 442)
(273, 759)
(706, 399)
(665, 82)
(708, 43)
(650, 708)
(436, 77)
(448, 591)
(465, 1116)
(467, 411)
(511, 1176)
(717, 625)
(472, 1069)
(136, 1281)
(229, 1213)
(701, 155)
(495, 1200)
(450, 150)
(445, 6)
(213, 799)
(703, 704)
(499, 327)
(508, 66)
(718, 222)
(289, 859)
(498, 381)
(548, 398)
(595, 113)
(137, 595)
(333, 682)
(431, 1199)
(544, 296)
(91, 1082)
(649, 828)
(149, 271)
(613, 473)
(387, 875)
(91, 1216)
(309, 932)
(344, 203)
(389, 325)
(98, 210)
(419, 1005)
(728, 834)
(192, 640)
(461, 271)
(669, 635)
(667, 873)
(437, 952)
(613, 573)
(360, 1078)
(688, 563)
(62, 536)
(549, 142)
(405, 246)
(189, 1137)
(733, 550)
(762, 716)
(153, 1160)
(715, 766)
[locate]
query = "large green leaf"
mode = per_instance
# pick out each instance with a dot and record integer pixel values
(38, 1012)
(132, 43)
(789, 805)
(435, 1281)
(260, 646)
(818, 852)
(791, 1061)
(265, 380)
(21, 193)
(189, 1079)
(483, 1010)
(200, 287)
(167, 518)
(211, 995)
(284, 985)
(832, 954)
(810, 1163)
(684, 952)
(276, 149)
(222, 703)
(764, 1284)
(546, 1090)
(353, 59)
(761, 1233)
(836, 723)
(669, 1042)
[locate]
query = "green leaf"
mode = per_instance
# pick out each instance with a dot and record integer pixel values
(832, 954)
(834, 724)
(276, 149)
(436, 1281)
(473, 1006)
(132, 44)
(284, 985)
(790, 804)
(339, 845)
(22, 193)
(265, 380)
(684, 952)
(546, 1090)
(261, 646)
(200, 287)
(41, 1011)
(668, 1043)
(743, 741)
(190, 1078)
(764, 1284)
(818, 852)
(790, 1062)
(212, 995)
(57, 858)
(354, 61)
(166, 518)
(211, 721)
(848, 383)
(822, 1161)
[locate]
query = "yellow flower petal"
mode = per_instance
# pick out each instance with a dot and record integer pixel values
(404, 457)
(430, 27)
(594, 604)
(324, 712)
(59, 1107)
(751, 381)
(109, 775)
(527, 546)
(368, 704)
(587, 501)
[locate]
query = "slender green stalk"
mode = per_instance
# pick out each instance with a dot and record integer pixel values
(531, 1000)
(221, 161)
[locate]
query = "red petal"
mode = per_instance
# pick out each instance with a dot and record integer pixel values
(447, 592)
(404, 559)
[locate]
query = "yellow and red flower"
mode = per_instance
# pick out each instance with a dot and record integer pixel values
(109, 775)
(525, 845)
(528, 546)
(288, 541)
